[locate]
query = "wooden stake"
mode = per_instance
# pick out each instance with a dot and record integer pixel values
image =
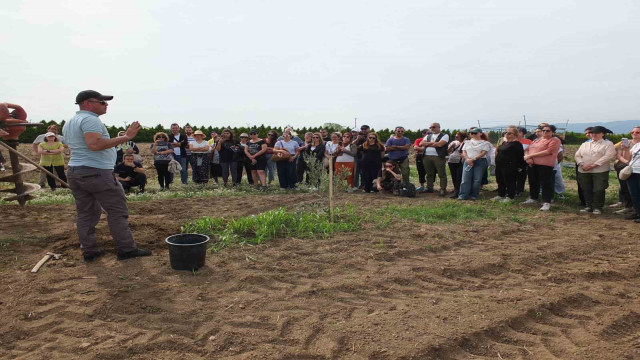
(331, 187)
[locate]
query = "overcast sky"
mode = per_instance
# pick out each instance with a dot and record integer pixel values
(303, 63)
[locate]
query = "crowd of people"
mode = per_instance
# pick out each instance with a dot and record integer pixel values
(368, 164)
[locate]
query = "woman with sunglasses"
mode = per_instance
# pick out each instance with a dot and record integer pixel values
(371, 152)
(345, 161)
(633, 182)
(456, 162)
(227, 147)
(475, 165)
(389, 177)
(255, 152)
(509, 163)
(162, 155)
(314, 154)
(541, 156)
(623, 158)
(287, 168)
(270, 140)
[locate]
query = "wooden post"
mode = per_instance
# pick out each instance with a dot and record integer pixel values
(331, 187)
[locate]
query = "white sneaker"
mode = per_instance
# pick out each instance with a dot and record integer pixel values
(530, 201)
(506, 200)
(545, 207)
(585, 210)
(596, 212)
(623, 211)
(496, 198)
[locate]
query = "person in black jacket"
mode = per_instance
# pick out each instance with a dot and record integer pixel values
(371, 153)
(313, 155)
(180, 145)
(509, 163)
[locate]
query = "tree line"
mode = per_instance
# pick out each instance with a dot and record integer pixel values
(146, 133)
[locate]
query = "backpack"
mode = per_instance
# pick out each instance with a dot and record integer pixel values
(407, 190)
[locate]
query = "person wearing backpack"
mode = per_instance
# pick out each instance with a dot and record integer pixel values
(434, 159)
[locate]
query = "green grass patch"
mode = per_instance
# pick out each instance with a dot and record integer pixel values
(256, 229)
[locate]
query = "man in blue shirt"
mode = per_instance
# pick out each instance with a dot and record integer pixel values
(91, 177)
(397, 148)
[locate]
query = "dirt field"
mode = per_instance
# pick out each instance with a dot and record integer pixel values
(560, 285)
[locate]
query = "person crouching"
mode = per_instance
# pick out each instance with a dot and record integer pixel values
(130, 174)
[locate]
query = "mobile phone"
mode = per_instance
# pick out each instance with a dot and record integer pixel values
(625, 142)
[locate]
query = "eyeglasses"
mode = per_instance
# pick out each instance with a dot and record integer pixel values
(473, 133)
(373, 138)
(389, 166)
(546, 130)
(101, 102)
(315, 137)
(433, 127)
(635, 132)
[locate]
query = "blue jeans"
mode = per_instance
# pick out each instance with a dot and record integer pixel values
(633, 183)
(472, 179)
(183, 162)
(271, 168)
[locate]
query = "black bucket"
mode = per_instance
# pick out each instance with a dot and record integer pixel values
(187, 251)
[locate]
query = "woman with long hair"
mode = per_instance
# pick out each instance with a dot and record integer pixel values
(632, 156)
(255, 152)
(455, 161)
(509, 163)
(227, 147)
(345, 161)
(330, 149)
(215, 170)
(541, 156)
(301, 165)
(162, 154)
(314, 154)
(389, 177)
(372, 152)
(270, 140)
(50, 151)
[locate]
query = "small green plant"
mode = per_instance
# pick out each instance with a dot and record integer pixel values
(256, 229)
(380, 244)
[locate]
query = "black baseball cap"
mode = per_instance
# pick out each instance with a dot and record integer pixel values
(91, 94)
(364, 127)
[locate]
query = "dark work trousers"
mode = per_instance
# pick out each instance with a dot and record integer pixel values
(506, 177)
(59, 170)
(521, 179)
(421, 172)
(357, 179)
(580, 192)
(369, 174)
(164, 177)
(456, 176)
(541, 176)
(138, 180)
(243, 165)
(301, 168)
(594, 187)
(229, 168)
(93, 190)
(633, 184)
(287, 174)
(623, 191)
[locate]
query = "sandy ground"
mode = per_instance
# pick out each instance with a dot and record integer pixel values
(560, 286)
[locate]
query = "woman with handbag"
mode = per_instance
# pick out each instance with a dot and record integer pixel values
(285, 153)
(455, 161)
(631, 158)
(623, 157)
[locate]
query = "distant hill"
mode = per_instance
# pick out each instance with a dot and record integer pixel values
(618, 127)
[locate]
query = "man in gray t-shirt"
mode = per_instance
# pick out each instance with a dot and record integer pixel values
(91, 177)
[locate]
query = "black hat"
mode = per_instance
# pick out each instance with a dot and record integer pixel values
(364, 127)
(600, 130)
(253, 131)
(91, 94)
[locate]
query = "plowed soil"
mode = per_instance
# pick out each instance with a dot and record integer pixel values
(559, 286)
